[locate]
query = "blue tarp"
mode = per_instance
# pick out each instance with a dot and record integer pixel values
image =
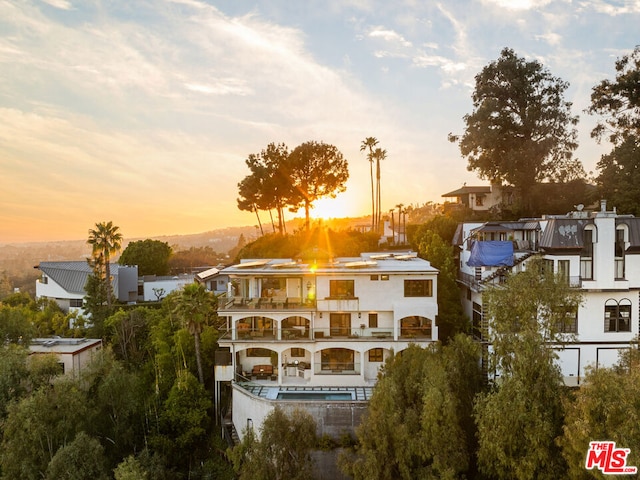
(491, 254)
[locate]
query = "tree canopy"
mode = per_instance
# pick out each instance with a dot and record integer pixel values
(521, 130)
(281, 179)
(521, 418)
(316, 170)
(618, 101)
(151, 256)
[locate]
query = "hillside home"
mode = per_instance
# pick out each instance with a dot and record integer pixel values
(64, 282)
(73, 354)
(596, 252)
(316, 335)
(477, 198)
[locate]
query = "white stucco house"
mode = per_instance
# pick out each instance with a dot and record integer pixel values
(597, 252)
(64, 282)
(316, 335)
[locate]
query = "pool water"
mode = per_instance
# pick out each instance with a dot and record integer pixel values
(315, 396)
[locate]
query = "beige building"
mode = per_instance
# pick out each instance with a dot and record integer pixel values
(73, 353)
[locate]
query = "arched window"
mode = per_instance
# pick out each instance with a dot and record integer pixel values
(617, 315)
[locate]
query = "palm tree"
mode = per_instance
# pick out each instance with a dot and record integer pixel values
(400, 212)
(369, 143)
(379, 155)
(196, 307)
(105, 240)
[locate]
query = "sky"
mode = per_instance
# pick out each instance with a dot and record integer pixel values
(144, 112)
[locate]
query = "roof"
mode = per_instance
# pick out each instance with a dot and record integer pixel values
(467, 190)
(367, 262)
(63, 345)
(207, 274)
(564, 233)
(71, 276)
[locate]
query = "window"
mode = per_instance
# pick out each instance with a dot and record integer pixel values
(418, 288)
(479, 200)
(586, 255)
(297, 352)
(75, 302)
(44, 280)
(617, 315)
(337, 359)
(619, 254)
(341, 289)
(547, 267)
(340, 324)
(477, 320)
(384, 277)
(563, 270)
(373, 320)
(258, 352)
(568, 323)
(375, 355)
(373, 278)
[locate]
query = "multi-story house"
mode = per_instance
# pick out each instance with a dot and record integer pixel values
(316, 334)
(596, 252)
(64, 282)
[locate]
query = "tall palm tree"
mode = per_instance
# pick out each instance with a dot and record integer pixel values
(379, 155)
(369, 143)
(105, 240)
(196, 307)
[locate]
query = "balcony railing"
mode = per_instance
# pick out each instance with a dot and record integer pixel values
(264, 303)
(295, 334)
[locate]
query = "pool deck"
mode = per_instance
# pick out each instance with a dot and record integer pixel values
(358, 394)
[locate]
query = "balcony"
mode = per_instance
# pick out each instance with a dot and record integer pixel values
(265, 303)
(324, 334)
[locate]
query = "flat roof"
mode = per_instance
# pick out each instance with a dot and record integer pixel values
(62, 345)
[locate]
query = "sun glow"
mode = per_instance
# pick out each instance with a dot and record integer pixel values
(327, 208)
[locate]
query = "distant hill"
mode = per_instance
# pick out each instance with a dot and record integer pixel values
(17, 260)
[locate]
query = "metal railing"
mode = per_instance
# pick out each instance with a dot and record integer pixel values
(289, 334)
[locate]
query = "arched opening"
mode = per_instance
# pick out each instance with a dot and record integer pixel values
(415, 327)
(337, 360)
(295, 327)
(255, 327)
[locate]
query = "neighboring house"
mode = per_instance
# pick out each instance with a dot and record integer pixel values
(64, 282)
(214, 280)
(73, 353)
(154, 288)
(596, 252)
(315, 336)
(477, 198)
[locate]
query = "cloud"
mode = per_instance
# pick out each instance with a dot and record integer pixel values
(389, 36)
(518, 4)
(61, 4)
(550, 38)
(600, 6)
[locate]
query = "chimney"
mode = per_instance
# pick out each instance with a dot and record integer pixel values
(603, 205)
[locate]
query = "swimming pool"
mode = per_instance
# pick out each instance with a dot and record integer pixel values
(315, 396)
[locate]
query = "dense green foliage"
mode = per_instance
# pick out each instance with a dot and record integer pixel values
(151, 257)
(282, 451)
(520, 419)
(138, 409)
(419, 423)
(318, 244)
(432, 240)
